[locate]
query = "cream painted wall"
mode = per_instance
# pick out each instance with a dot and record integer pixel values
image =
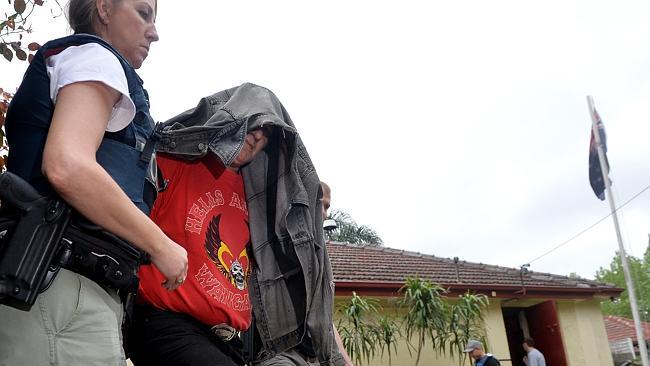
(583, 333)
(497, 342)
(496, 333)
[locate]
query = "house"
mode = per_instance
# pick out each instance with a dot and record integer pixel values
(619, 328)
(621, 334)
(562, 314)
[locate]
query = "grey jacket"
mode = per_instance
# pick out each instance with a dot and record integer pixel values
(291, 284)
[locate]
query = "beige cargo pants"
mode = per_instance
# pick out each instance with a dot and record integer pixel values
(74, 322)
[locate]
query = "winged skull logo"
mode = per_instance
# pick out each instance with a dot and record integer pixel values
(219, 252)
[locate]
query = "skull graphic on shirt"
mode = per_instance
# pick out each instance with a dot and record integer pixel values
(234, 267)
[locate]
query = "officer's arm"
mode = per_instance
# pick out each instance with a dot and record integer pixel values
(80, 118)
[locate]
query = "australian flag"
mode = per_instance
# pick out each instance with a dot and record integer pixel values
(595, 173)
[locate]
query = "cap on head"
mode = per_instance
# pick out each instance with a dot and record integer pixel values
(472, 345)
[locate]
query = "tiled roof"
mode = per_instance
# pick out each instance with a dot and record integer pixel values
(368, 264)
(619, 328)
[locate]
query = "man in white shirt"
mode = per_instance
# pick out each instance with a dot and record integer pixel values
(534, 357)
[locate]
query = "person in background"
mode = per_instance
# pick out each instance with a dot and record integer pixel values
(477, 352)
(327, 201)
(327, 198)
(77, 127)
(533, 356)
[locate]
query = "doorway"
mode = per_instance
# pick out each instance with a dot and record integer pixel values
(539, 322)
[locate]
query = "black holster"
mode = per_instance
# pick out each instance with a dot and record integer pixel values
(31, 227)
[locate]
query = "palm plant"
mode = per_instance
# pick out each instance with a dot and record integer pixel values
(426, 317)
(348, 231)
(357, 330)
(466, 321)
(388, 334)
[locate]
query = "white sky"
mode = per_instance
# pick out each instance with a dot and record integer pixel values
(454, 128)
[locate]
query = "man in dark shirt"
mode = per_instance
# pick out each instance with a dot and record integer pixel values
(477, 352)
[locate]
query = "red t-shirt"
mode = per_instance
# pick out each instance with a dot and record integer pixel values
(204, 210)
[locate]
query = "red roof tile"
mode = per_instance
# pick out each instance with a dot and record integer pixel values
(382, 265)
(619, 328)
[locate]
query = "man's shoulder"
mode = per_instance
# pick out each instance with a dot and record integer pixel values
(536, 352)
(492, 361)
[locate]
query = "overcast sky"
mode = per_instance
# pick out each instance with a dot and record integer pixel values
(453, 128)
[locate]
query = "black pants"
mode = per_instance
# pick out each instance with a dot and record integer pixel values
(162, 338)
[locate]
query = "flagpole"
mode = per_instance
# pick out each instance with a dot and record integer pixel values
(643, 350)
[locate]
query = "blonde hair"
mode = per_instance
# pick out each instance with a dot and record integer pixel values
(83, 15)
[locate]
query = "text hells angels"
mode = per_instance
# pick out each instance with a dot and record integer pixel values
(203, 205)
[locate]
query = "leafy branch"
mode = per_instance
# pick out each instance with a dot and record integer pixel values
(14, 27)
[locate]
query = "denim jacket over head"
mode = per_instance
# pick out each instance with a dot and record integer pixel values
(291, 282)
(120, 153)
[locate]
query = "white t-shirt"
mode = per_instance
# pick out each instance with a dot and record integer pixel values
(92, 62)
(536, 358)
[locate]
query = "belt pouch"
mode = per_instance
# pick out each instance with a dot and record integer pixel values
(103, 257)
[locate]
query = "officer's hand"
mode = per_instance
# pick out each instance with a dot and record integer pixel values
(171, 261)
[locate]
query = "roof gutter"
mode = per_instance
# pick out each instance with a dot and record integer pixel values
(344, 288)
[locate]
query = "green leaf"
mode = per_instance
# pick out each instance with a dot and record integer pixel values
(19, 6)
